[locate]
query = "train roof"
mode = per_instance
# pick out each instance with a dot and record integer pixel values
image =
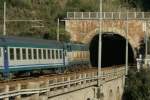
(14, 41)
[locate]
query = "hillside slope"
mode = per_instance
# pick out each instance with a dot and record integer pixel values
(48, 11)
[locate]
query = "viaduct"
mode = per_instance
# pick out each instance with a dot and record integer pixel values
(116, 28)
(83, 27)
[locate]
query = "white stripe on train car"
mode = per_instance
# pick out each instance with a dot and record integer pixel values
(33, 65)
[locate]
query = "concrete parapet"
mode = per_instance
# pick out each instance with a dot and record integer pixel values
(111, 90)
(112, 80)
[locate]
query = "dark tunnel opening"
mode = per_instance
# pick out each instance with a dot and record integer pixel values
(113, 50)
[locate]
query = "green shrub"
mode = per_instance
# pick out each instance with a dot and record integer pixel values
(137, 85)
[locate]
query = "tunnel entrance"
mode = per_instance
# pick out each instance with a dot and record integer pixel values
(113, 50)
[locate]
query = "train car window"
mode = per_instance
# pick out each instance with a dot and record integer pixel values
(29, 54)
(84, 54)
(18, 54)
(81, 54)
(56, 54)
(68, 47)
(49, 54)
(44, 54)
(65, 53)
(53, 55)
(87, 54)
(60, 54)
(40, 54)
(24, 53)
(35, 53)
(78, 55)
(75, 55)
(11, 53)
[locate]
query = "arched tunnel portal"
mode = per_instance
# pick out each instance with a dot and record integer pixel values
(113, 50)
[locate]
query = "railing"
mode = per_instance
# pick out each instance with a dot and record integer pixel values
(62, 85)
(108, 15)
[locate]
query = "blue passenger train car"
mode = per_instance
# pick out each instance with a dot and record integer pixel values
(18, 55)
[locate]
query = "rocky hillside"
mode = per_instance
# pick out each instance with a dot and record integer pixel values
(49, 11)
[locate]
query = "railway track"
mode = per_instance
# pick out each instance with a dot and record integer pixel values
(42, 77)
(24, 80)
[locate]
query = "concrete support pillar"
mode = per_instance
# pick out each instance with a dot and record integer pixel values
(95, 92)
(6, 90)
(84, 82)
(80, 78)
(44, 84)
(63, 79)
(47, 86)
(123, 81)
(99, 93)
(35, 97)
(18, 88)
(55, 81)
(33, 85)
(68, 79)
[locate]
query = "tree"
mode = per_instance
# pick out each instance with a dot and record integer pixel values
(137, 85)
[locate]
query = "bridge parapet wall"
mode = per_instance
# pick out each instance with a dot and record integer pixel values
(109, 15)
(83, 26)
(60, 85)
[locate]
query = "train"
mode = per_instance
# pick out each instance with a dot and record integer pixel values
(26, 55)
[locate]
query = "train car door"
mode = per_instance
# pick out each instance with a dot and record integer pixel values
(66, 57)
(1, 59)
(6, 68)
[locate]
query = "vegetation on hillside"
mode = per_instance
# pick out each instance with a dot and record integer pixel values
(47, 10)
(137, 85)
(50, 10)
(142, 5)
